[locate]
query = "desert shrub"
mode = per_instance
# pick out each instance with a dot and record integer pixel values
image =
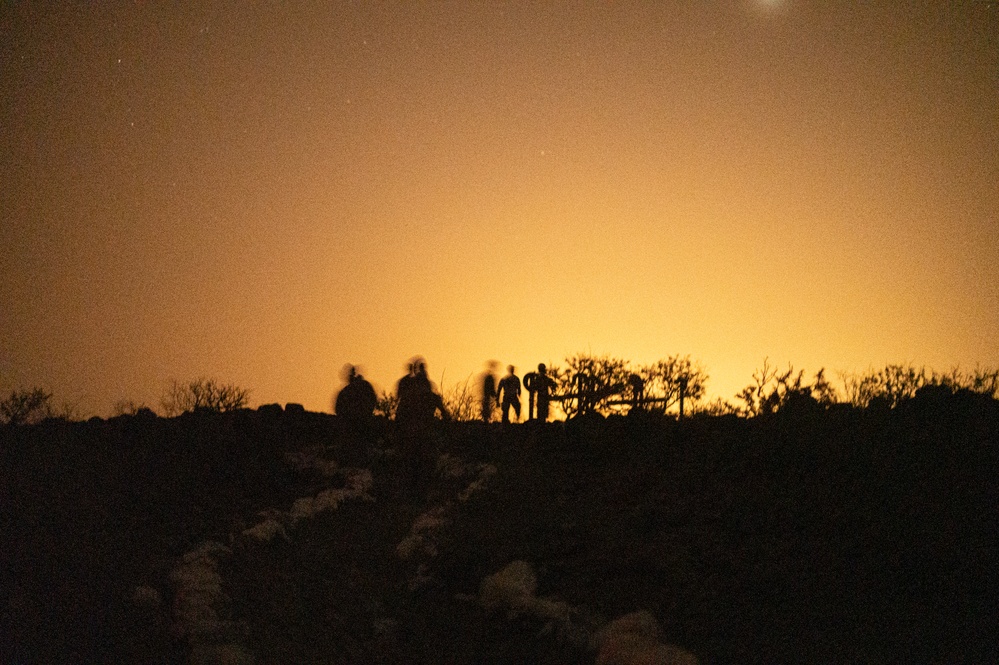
(665, 378)
(606, 380)
(894, 384)
(461, 401)
(203, 394)
(890, 384)
(387, 404)
(984, 381)
(715, 407)
(127, 407)
(772, 390)
(609, 382)
(26, 406)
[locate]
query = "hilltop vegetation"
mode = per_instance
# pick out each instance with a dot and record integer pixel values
(811, 534)
(584, 383)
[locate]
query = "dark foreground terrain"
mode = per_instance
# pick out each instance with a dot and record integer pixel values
(818, 536)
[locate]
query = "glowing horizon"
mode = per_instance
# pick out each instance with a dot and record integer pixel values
(262, 195)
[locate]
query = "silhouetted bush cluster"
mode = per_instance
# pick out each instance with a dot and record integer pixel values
(610, 380)
(26, 406)
(204, 394)
(888, 387)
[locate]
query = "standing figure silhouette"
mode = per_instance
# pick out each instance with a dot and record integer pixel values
(489, 394)
(419, 403)
(541, 387)
(355, 407)
(509, 394)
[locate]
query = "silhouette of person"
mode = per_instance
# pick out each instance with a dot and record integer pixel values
(637, 385)
(428, 401)
(356, 401)
(489, 393)
(355, 407)
(544, 386)
(509, 394)
(419, 403)
(405, 392)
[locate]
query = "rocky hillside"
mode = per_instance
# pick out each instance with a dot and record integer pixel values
(279, 536)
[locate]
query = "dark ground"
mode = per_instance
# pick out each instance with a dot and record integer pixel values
(819, 536)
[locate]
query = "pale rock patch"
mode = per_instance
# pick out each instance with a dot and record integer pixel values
(635, 639)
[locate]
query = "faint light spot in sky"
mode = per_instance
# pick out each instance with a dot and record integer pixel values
(769, 5)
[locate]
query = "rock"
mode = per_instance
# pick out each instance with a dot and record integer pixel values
(513, 587)
(270, 410)
(634, 639)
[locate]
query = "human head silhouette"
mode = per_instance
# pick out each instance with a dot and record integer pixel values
(414, 365)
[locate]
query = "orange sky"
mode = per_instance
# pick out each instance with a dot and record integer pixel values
(262, 193)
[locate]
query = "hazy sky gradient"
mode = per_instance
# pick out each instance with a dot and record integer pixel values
(262, 192)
